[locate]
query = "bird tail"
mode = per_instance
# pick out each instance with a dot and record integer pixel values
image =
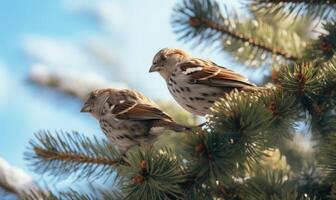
(172, 126)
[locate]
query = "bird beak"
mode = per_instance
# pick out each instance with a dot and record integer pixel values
(153, 68)
(86, 108)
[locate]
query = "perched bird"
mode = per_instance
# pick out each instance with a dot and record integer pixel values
(196, 83)
(128, 118)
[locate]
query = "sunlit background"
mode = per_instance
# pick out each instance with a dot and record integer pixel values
(82, 43)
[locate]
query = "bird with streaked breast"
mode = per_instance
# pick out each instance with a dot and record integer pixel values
(196, 83)
(129, 118)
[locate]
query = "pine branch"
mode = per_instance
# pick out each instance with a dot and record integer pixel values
(312, 84)
(45, 196)
(327, 155)
(234, 138)
(285, 113)
(240, 112)
(270, 184)
(71, 194)
(322, 9)
(324, 48)
(14, 181)
(333, 192)
(153, 174)
(8, 188)
(231, 189)
(213, 156)
(196, 190)
(302, 26)
(328, 70)
(74, 85)
(203, 22)
(323, 122)
(304, 81)
(242, 127)
(311, 182)
(65, 154)
(270, 35)
(73, 157)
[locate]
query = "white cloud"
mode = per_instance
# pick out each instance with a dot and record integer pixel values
(106, 12)
(15, 177)
(88, 55)
(57, 53)
(101, 49)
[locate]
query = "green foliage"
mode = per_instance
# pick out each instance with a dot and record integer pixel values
(327, 155)
(210, 156)
(240, 112)
(321, 9)
(243, 118)
(324, 48)
(153, 175)
(329, 72)
(274, 44)
(196, 190)
(248, 148)
(311, 182)
(270, 184)
(73, 195)
(300, 79)
(192, 18)
(64, 154)
(325, 124)
(204, 23)
(231, 190)
(324, 100)
(302, 26)
(306, 82)
(284, 111)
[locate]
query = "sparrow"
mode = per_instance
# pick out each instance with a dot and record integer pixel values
(128, 118)
(196, 83)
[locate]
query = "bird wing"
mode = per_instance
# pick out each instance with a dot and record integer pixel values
(132, 110)
(209, 73)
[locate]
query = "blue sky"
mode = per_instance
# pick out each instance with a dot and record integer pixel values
(76, 36)
(23, 108)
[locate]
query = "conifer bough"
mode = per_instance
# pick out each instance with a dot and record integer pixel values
(232, 157)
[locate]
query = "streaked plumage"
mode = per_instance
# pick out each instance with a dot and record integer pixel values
(128, 118)
(196, 83)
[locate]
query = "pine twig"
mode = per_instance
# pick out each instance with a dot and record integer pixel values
(321, 9)
(196, 21)
(80, 158)
(205, 22)
(324, 48)
(65, 154)
(8, 188)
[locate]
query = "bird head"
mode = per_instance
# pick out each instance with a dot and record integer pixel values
(95, 102)
(166, 60)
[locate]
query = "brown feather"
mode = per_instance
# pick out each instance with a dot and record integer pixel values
(123, 107)
(213, 75)
(143, 112)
